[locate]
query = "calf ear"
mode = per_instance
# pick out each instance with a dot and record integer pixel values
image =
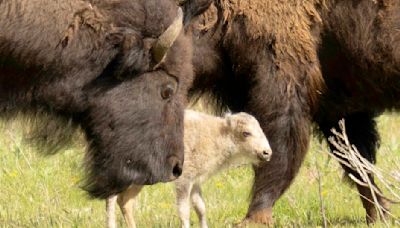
(193, 8)
(230, 120)
(236, 121)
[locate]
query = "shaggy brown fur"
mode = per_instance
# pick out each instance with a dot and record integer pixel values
(360, 60)
(263, 57)
(90, 63)
(268, 68)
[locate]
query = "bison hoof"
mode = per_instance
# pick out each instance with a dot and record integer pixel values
(263, 216)
(372, 214)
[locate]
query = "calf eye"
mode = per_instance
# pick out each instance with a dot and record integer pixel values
(167, 91)
(246, 134)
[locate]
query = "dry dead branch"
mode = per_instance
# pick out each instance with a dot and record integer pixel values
(348, 155)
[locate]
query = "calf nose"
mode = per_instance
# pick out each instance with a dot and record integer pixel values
(266, 154)
(176, 165)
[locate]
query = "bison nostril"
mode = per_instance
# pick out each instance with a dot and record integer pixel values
(176, 165)
(177, 170)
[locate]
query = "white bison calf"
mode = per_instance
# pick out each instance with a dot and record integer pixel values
(211, 144)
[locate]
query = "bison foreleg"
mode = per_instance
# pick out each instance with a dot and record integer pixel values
(286, 123)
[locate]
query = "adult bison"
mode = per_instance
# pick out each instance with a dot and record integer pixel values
(294, 63)
(118, 69)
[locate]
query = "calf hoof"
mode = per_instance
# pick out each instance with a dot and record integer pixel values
(263, 216)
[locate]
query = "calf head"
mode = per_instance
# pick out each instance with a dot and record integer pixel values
(249, 137)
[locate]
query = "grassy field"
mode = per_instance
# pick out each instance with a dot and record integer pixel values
(38, 191)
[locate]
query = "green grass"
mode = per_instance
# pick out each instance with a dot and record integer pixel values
(38, 191)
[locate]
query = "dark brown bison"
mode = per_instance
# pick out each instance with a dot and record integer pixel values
(117, 69)
(294, 63)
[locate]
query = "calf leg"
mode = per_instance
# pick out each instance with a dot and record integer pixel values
(361, 131)
(183, 191)
(199, 205)
(110, 210)
(126, 201)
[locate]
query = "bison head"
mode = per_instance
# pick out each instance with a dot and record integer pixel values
(134, 115)
(120, 69)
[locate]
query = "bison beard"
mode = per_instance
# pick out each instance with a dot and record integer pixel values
(266, 58)
(91, 64)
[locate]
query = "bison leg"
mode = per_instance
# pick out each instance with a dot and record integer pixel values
(361, 131)
(286, 123)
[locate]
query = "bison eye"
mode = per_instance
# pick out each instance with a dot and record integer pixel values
(246, 134)
(167, 91)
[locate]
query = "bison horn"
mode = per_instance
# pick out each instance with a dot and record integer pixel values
(167, 39)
